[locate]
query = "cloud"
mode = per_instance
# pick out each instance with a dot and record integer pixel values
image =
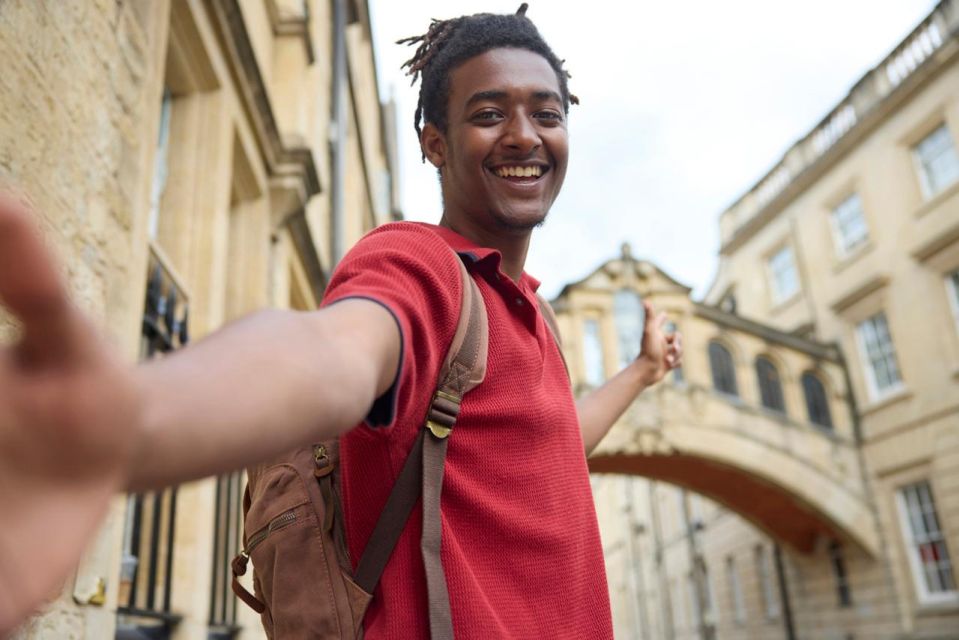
(685, 106)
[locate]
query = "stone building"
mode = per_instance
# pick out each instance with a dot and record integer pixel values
(190, 161)
(800, 477)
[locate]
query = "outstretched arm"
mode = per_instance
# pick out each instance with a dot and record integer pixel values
(599, 409)
(77, 425)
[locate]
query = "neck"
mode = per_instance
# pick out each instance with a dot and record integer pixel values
(512, 245)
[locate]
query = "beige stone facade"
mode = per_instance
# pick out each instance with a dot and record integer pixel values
(843, 262)
(208, 158)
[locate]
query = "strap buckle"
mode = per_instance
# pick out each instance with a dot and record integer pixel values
(444, 408)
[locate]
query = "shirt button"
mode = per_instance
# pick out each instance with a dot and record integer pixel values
(519, 302)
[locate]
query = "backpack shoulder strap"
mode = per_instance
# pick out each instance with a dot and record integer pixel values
(464, 367)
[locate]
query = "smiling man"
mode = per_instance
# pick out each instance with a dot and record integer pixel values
(520, 543)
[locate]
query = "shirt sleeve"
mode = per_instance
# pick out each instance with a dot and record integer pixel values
(412, 272)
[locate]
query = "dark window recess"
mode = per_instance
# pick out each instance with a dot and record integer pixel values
(770, 388)
(146, 573)
(838, 562)
(817, 405)
(227, 540)
(721, 364)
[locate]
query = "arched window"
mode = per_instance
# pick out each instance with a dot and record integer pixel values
(724, 374)
(817, 405)
(630, 317)
(770, 388)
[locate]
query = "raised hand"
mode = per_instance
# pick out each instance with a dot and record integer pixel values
(661, 351)
(68, 416)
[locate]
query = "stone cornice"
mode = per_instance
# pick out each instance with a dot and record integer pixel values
(283, 162)
(815, 349)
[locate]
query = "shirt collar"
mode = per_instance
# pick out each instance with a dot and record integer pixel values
(484, 258)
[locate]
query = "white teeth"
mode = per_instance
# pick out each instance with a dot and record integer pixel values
(519, 172)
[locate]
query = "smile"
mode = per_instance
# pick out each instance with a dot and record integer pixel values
(516, 171)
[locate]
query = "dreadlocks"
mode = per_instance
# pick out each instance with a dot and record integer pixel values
(447, 43)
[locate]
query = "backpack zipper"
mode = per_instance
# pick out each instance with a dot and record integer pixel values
(277, 523)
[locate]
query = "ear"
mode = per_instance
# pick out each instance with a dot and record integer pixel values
(433, 144)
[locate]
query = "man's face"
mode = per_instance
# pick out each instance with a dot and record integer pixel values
(503, 157)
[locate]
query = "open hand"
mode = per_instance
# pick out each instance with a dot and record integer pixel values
(661, 352)
(68, 408)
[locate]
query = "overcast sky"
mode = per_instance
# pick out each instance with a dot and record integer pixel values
(685, 105)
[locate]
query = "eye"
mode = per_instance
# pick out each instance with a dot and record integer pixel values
(549, 116)
(488, 116)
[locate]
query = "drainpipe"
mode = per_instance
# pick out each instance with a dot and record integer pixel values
(784, 593)
(338, 133)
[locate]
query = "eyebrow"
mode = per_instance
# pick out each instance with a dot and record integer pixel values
(499, 94)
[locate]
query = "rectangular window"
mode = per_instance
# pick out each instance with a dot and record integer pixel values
(160, 166)
(882, 368)
(593, 353)
(927, 551)
(838, 562)
(937, 161)
(227, 542)
(849, 225)
(783, 276)
(765, 574)
(735, 591)
(952, 286)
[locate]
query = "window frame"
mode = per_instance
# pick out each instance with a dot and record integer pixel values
(735, 591)
(587, 363)
(923, 595)
(776, 392)
(845, 248)
(825, 400)
(951, 280)
(778, 295)
(875, 393)
(921, 167)
(767, 589)
(732, 370)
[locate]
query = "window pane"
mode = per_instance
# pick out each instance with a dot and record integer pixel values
(817, 405)
(879, 353)
(782, 271)
(938, 161)
(849, 223)
(926, 541)
(770, 389)
(952, 286)
(593, 353)
(630, 319)
(721, 363)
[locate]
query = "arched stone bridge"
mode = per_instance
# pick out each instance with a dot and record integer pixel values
(797, 480)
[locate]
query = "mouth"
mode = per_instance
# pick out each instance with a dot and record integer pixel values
(520, 173)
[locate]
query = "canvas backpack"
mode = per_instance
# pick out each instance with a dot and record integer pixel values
(304, 583)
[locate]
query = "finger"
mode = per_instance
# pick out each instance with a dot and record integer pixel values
(30, 286)
(661, 320)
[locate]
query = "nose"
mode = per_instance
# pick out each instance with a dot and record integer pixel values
(521, 135)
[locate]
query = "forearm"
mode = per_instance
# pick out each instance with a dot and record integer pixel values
(599, 409)
(260, 386)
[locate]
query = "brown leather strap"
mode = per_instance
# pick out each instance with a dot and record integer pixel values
(550, 317)
(463, 368)
(238, 567)
(392, 520)
(434, 457)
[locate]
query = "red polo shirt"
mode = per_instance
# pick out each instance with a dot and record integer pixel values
(521, 546)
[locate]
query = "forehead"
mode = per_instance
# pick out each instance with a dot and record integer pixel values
(504, 69)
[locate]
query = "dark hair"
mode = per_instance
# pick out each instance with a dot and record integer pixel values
(448, 43)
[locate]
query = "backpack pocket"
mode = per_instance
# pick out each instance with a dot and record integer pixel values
(291, 570)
